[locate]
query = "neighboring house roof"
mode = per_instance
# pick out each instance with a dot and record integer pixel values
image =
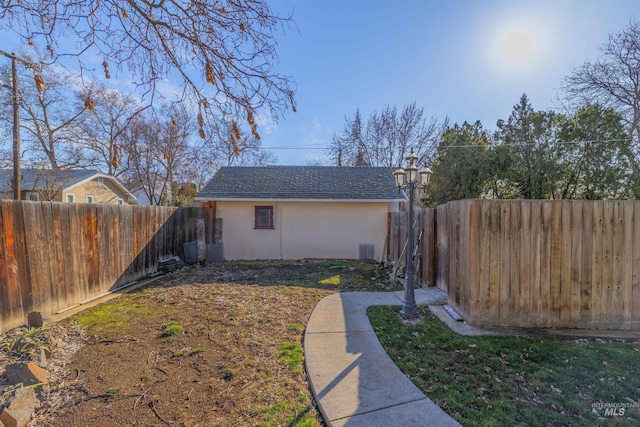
(43, 179)
(302, 183)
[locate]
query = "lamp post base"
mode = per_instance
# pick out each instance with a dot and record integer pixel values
(409, 308)
(409, 312)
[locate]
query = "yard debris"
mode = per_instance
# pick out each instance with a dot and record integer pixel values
(167, 265)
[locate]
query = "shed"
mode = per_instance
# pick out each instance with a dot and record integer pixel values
(302, 212)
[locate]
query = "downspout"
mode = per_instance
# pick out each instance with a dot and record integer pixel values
(279, 211)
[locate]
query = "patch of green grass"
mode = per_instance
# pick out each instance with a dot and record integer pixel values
(172, 328)
(274, 414)
(114, 390)
(186, 352)
(113, 315)
(512, 381)
(333, 280)
(295, 326)
(291, 355)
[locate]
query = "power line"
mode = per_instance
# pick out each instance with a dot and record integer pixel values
(295, 148)
(524, 144)
(490, 145)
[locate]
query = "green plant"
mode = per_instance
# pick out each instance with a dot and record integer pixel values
(186, 352)
(27, 341)
(6, 394)
(114, 390)
(112, 315)
(172, 328)
(295, 326)
(37, 333)
(291, 355)
(333, 280)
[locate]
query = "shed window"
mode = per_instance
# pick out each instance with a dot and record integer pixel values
(89, 199)
(264, 217)
(71, 198)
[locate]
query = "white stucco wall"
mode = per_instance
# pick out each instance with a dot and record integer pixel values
(303, 229)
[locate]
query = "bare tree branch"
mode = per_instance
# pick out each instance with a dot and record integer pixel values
(223, 51)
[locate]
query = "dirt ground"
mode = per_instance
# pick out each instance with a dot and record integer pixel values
(219, 345)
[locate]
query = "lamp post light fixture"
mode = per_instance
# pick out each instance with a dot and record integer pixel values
(408, 179)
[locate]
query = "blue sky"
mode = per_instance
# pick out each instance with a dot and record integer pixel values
(466, 60)
(463, 59)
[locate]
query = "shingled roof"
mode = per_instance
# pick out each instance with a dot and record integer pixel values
(301, 183)
(37, 179)
(43, 179)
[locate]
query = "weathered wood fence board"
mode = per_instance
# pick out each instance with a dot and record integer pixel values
(442, 247)
(56, 255)
(534, 263)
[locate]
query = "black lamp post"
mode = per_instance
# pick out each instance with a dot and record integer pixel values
(407, 179)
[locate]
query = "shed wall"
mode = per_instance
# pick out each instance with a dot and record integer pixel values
(303, 229)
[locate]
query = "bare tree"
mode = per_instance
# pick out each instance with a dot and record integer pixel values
(6, 155)
(229, 45)
(386, 138)
(614, 82)
(314, 162)
(110, 112)
(49, 184)
(159, 155)
(144, 171)
(49, 114)
(340, 150)
(229, 144)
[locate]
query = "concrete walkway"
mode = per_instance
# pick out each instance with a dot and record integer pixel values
(354, 381)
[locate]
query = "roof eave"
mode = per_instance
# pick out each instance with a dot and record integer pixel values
(102, 175)
(256, 199)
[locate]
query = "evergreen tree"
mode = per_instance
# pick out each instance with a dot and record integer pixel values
(529, 138)
(460, 167)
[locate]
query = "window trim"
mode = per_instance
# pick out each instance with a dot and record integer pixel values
(120, 201)
(271, 225)
(86, 199)
(32, 196)
(72, 196)
(101, 181)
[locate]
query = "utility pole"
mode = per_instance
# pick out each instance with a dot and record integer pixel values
(15, 101)
(16, 128)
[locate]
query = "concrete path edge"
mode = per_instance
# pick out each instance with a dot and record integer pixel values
(353, 380)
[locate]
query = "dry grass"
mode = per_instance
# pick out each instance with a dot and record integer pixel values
(236, 361)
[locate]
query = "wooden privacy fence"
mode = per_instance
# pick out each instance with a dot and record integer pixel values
(533, 263)
(56, 255)
(424, 235)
